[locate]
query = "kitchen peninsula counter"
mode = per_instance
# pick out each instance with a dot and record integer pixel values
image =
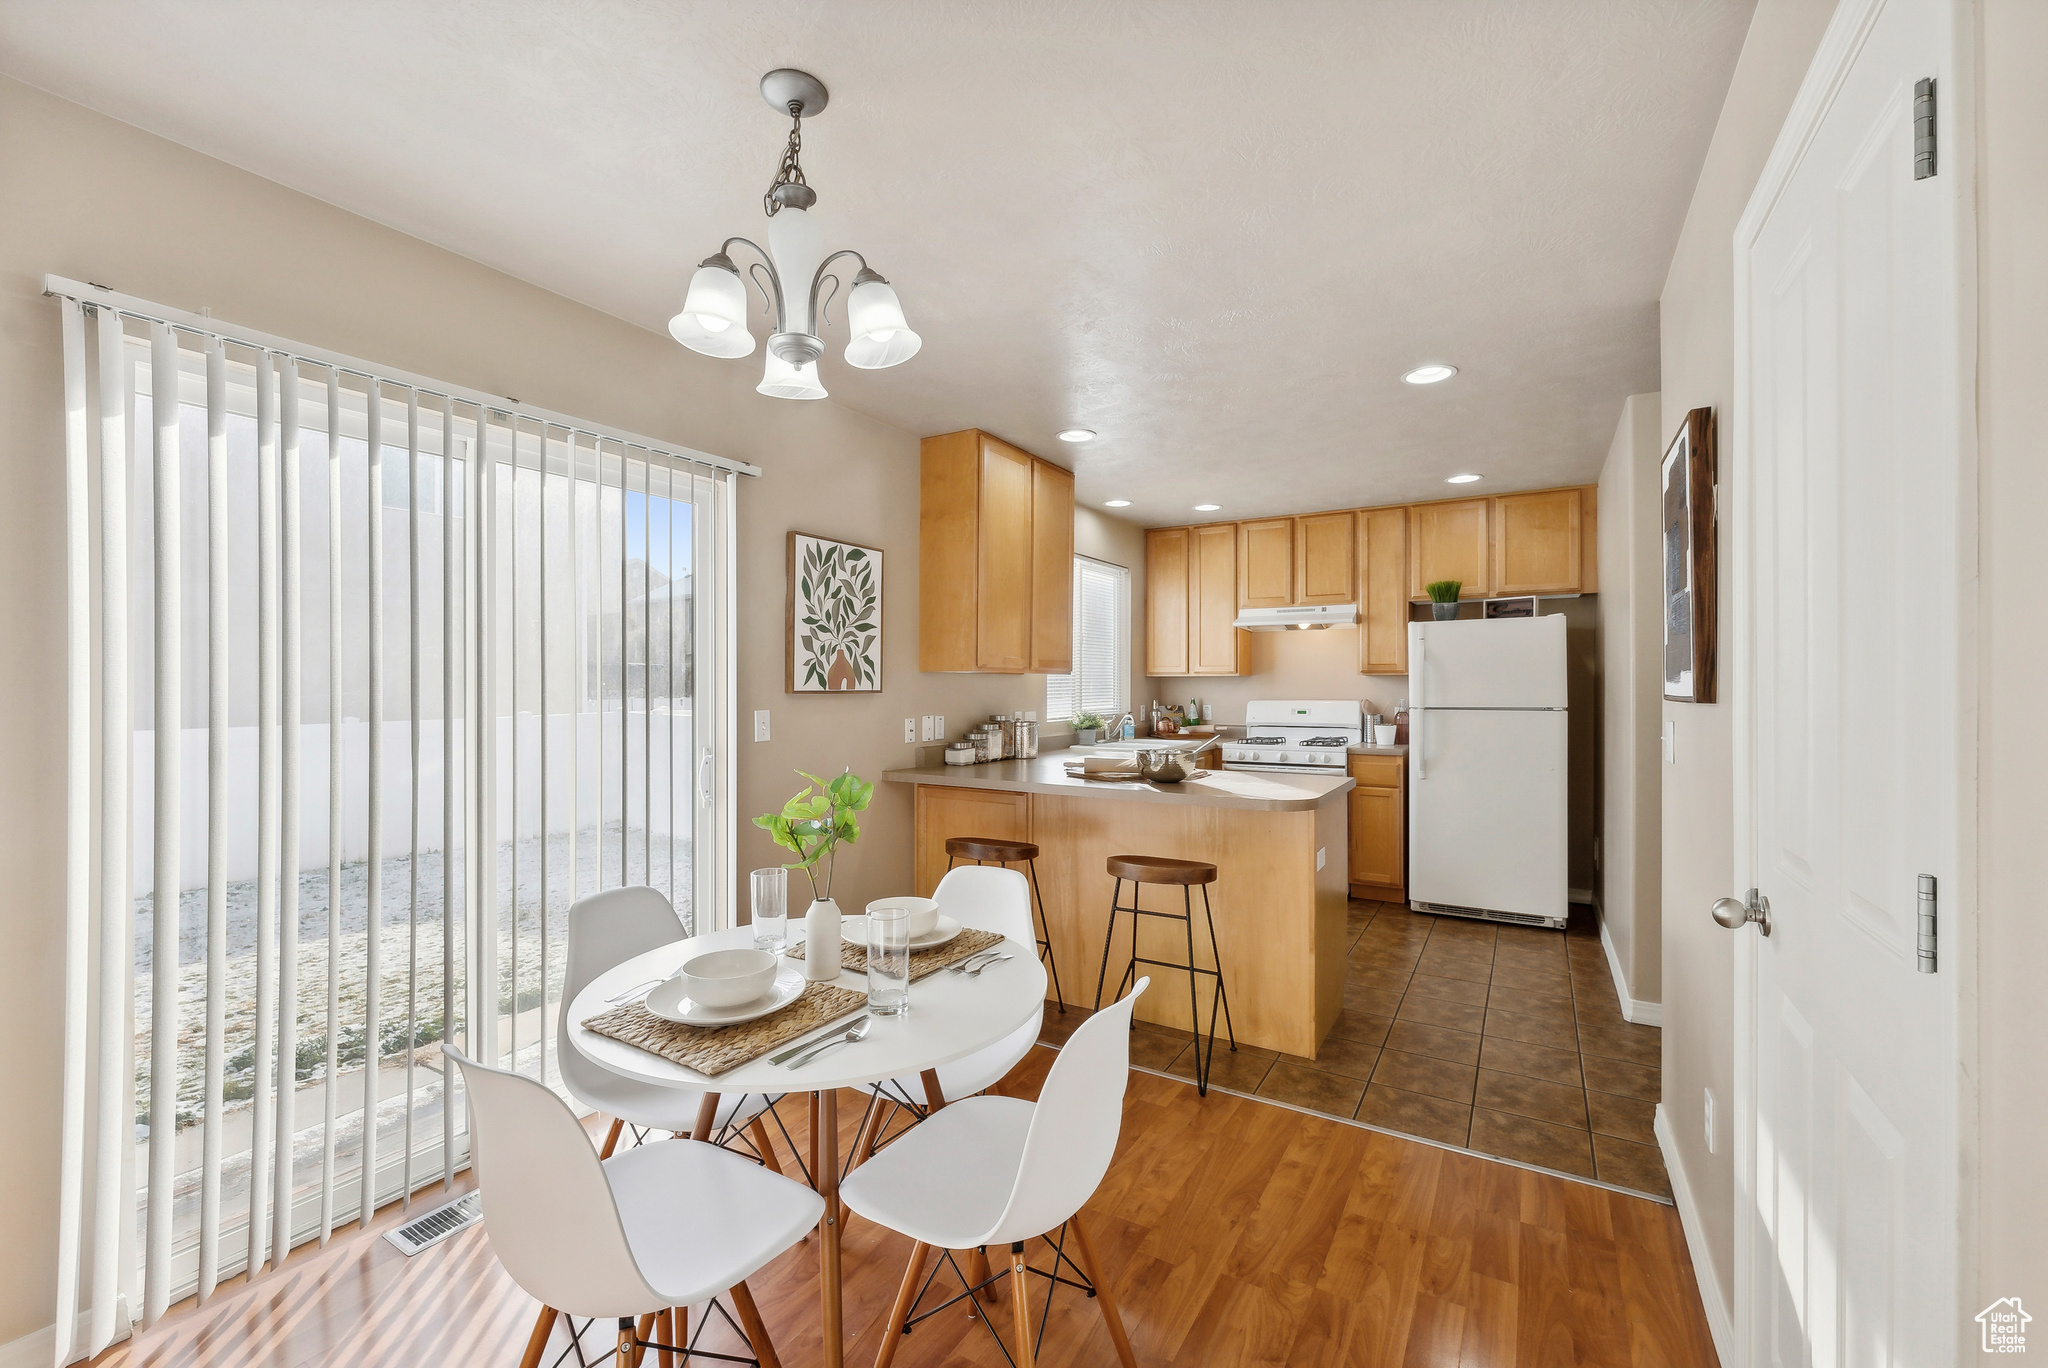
(1278, 842)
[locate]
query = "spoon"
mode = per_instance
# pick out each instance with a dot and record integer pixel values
(857, 1031)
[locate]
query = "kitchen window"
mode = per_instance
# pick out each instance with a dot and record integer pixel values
(1100, 682)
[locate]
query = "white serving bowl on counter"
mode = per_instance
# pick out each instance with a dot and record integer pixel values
(728, 978)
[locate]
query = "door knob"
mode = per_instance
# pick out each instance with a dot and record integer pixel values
(1735, 915)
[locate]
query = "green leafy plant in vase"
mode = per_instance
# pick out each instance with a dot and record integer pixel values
(1088, 728)
(812, 826)
(1443, 598)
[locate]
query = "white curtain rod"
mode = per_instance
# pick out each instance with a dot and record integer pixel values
(144, 310)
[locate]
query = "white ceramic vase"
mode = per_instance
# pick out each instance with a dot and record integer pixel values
(821, 941)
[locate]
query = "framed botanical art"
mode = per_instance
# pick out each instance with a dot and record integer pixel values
(833, 617)
(1686, 481)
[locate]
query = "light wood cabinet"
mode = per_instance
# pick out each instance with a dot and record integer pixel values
(1383, 591)
(1215, 647)
(1324, 569)
(1265, 563)
(1191, 577)
(1166, 600)
(995, 558)
(1448, 541)
(942, 813)
(1378, 866)
(1537, 543)
(1052, 569)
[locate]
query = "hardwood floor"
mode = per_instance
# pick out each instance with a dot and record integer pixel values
(1237, 1233)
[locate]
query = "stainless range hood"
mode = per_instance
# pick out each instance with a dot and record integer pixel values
(1297, 619)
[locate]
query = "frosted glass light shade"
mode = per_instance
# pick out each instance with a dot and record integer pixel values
(784, 381)
(797, 242)
(880, 336)
(714, 316)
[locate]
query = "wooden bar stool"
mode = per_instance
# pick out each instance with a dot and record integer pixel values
(1154, 869)
(989, 850)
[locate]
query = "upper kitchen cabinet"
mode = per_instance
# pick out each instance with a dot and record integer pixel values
(1538, 543)
(1191, 579)
(1383, 591)
(1215, 646)
(1448, 541)
(1166, 600)
(1052, 569)
(1265, 563)
(1323, 568)
(995, 558)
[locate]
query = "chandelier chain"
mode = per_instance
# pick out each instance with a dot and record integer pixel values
(791, 172)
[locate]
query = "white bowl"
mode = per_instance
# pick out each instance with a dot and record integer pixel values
(924, 913)
(727, 978)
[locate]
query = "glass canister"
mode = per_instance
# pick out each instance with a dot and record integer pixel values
(1024, 739)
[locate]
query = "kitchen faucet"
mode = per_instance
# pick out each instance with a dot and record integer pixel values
(1121, 722)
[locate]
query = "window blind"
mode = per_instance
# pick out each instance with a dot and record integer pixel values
(369, 678)
(1100, 681)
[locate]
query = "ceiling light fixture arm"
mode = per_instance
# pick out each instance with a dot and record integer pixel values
(821, 276)
(771, 293)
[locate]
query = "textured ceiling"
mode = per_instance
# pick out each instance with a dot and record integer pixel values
(1216, 232)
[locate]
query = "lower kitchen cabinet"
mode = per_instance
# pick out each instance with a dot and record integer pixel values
(943, 813)
(1379, 828)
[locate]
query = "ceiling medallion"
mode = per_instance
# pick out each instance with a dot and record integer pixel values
(791, 275)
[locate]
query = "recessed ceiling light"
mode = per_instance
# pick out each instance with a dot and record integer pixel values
(1460, 479)
(1430, 374)
(1116, 503)
(1207, 508)
(1078, 435)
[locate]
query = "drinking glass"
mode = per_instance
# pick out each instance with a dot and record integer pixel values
(888, 960)
(771, 908)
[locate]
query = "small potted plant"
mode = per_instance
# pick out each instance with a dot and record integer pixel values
(1087, 728)
(1443, 598)
(813, 825)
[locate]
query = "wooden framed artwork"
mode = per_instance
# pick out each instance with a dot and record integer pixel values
(1686, 481)
(832, 617)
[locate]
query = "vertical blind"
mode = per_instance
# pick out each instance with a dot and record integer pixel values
(370, 678)
(1100, 682)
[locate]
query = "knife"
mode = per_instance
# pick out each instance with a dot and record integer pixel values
(802, 1045)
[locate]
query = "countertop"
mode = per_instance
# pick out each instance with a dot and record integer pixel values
(1377, 750)
(1247, 789)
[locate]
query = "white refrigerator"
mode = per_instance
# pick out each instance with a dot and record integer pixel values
(1487, 769)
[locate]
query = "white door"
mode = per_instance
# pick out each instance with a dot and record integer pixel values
(1849, 534)
(1486, 810)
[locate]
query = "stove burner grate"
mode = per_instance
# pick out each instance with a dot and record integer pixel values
(1328, 741)
(1264, 741)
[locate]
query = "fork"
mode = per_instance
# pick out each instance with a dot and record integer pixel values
(855, 1032)
(967, 965)
(636, 988)
(988, 960)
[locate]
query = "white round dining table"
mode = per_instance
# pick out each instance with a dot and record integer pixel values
(951, 1016)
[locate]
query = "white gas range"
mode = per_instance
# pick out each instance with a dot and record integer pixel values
(1293, 736)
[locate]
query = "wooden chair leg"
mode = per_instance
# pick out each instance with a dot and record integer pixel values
(645, 1331)
(1104, 1298)
(906, 1298)
(537, 1342)
(756, 1328)
(611, 1140)
(863, 1147)
(665, 1333)
(978, 1272)
(1020, 1305)
(760, 1134)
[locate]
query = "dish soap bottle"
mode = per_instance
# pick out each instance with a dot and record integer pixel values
(1401, 724)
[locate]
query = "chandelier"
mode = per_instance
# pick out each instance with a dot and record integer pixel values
(792, 275)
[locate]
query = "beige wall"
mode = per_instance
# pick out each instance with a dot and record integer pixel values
(94, 199)
(1631, 689)
(1698, 345)
(2012, 950)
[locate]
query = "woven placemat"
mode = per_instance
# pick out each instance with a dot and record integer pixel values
(968, 943)
(715, 1049)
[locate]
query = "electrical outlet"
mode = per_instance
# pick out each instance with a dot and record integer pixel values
(1709, 1118)
(938, 726)
(910, 729)
(761, 724)
(927, 721)
(1322, 856)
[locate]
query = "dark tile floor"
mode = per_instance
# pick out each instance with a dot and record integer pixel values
(1503, 1039)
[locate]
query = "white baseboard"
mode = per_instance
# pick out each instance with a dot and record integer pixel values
(1719, 1323)
(1641, 1013)
(38, 1347)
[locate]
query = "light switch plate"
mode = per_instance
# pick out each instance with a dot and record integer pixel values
(927, 722)
(1709, 1118)
(761, 724)
(938, 726)
(1322, 856)
(1671, 741)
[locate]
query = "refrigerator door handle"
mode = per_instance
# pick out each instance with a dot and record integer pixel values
(1421, 661)
(1415, 717)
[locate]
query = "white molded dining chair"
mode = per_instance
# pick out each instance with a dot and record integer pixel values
(605, 930)
(632, 1237)
(999, 1170)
